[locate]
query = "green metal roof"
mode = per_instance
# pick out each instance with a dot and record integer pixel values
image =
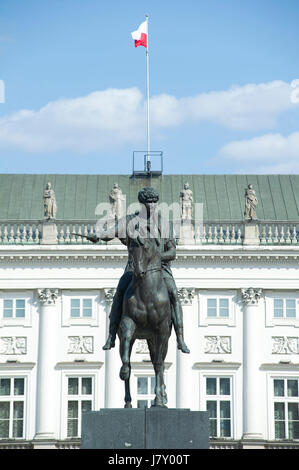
(21, 195)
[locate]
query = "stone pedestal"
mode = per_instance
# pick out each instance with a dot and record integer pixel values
(153, 428)
(49, 233)
(186, 233)
(251, 233)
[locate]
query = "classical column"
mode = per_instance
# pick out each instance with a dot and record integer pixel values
(184, 362)
(47, 393)
(252, 343)
(114, 388)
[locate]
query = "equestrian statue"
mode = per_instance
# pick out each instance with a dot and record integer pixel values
(146, 303)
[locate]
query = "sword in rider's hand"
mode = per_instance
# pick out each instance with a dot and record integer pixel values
(91, 238)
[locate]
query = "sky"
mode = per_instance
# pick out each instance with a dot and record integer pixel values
(224, 86)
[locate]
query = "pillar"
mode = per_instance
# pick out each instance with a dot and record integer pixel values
(113, 385)
(47, 393)
(184, 389)
(253, 319)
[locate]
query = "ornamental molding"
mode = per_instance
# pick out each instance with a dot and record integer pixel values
(217, 345)
(186, 295)
(72, 254)
(47, 296)
(109, 294)
(285, 345)
(13, 345)
(141, 346)
(251, 296)
(80, 345)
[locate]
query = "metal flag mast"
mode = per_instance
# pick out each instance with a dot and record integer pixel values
(148, 158)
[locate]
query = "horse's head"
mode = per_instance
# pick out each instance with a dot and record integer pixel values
(143, 252)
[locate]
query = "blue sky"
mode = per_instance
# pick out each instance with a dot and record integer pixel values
(222, 85)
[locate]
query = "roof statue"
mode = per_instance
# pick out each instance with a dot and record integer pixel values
(116, 200)
(50, 207)
(251, 202)
(186, 199)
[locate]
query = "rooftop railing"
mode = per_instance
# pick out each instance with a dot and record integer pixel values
(30, 232)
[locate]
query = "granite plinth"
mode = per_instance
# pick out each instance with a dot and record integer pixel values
(152, 428)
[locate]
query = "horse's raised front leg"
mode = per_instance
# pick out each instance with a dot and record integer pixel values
(127, 329)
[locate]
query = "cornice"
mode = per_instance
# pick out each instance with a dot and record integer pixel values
(16, 365)
(203, 254)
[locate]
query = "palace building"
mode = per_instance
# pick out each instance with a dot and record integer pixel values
(238, 281)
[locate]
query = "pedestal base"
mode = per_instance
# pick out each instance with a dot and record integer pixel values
(49, 233)
(186, 234)
(153, 428)
(251, 233)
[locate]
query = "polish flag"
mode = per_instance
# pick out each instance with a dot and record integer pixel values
(140, 36)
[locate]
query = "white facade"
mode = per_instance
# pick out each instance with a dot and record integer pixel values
(243, 366)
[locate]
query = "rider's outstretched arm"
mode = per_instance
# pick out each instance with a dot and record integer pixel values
(170, 251)
(116, 229)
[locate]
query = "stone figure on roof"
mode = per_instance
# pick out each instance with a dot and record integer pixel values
(251, 202)
(186, 199)
(116, 200)
(50, 207)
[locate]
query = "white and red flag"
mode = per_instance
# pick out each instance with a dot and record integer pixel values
(140, 35)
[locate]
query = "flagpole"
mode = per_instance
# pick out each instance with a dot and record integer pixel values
(148, 158)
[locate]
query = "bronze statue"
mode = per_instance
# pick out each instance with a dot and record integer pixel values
(146, 315)
(145, 247)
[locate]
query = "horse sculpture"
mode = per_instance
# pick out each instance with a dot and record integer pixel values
(146, 315)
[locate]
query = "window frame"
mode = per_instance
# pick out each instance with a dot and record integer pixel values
(220, 398)
(79, 371)
(79, 398)
(205, 320)
(11, 399)
(281, 399)
(68, 296)
(25, 320)
(149, 396)
(81, 307)
(271, 320)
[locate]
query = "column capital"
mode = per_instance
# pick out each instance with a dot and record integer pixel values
(186, 295)
(47, 296)
(109, 294)
(251, 296)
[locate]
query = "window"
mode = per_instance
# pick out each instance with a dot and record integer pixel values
(80, 400)
(286, 408)
(284, 308)
(219, 406)
(12, 391)
(217, 307)
(81, 308)
(14, 308)
(145, 391)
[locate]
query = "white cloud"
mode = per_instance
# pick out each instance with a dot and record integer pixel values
(248, 107)
(97, 121)
(107, 119)
(270, 153)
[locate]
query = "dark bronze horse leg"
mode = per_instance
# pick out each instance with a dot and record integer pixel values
(158, 350)
(127, 329)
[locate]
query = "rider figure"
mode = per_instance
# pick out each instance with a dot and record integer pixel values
(148, 197)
